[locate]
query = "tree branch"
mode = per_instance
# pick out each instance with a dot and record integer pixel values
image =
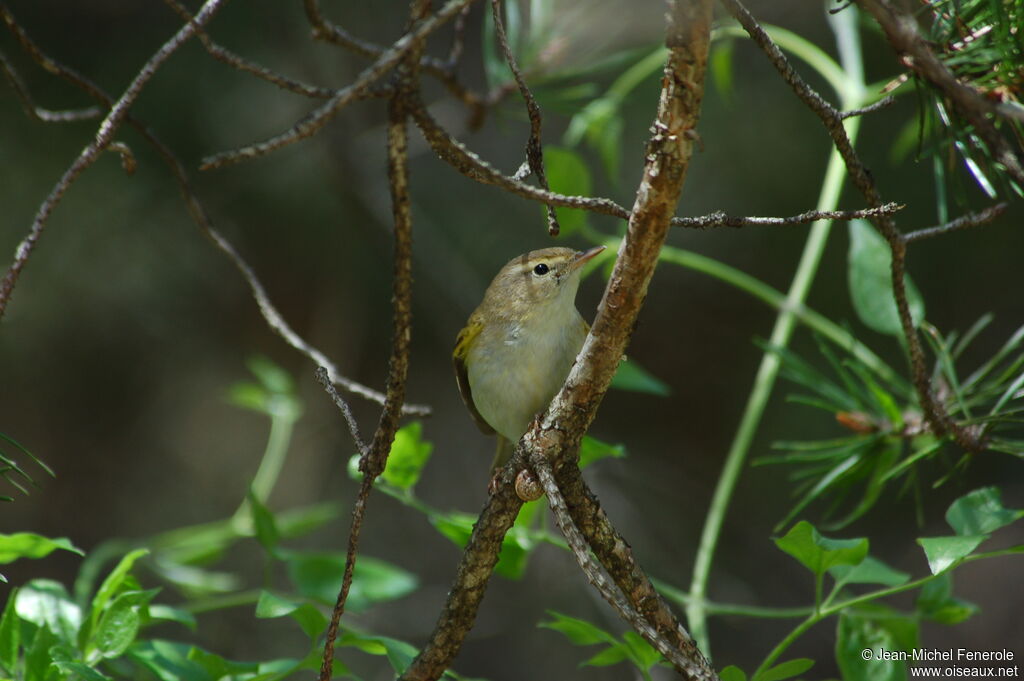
(832, 119)
(374, 458)
(202, 219)
(534, 149)
(901, 31)
(319, 117)
(104, 136)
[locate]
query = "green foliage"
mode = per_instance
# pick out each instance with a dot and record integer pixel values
(817, 553)
(870, 281)
(980, 42)
(629, 647)
(567, 174)
(11, 470)
(633, 377)
(890, 440)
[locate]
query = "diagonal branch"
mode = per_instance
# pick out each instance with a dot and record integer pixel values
(319, 117)
(104, 136)
(198, 213)
(534, 149)
(684, 664)
(832, 119)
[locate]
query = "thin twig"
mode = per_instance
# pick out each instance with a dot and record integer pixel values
(600, 581)
(235, 61)
(982, 217)
(37, 112)
(104, 136)
(323, 376)
(934, 412)
(374, 459)
(721, 219)
(319, 117)
(880, 104)
(323, 29)
(199, 215)
(472, 166)
(534, 148)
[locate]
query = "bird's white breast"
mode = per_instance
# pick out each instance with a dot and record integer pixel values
(515, 369)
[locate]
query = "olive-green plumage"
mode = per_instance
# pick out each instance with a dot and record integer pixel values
(519, 344)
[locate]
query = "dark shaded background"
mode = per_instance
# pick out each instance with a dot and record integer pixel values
(127, 327)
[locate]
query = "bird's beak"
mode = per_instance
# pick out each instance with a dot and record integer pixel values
(583, 256)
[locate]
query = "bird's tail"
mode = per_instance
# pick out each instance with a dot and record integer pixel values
(502, 454)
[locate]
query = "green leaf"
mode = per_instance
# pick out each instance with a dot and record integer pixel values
(120, 623)
(73, 668)
(29, 545)
(720, 66)
(785, 670)
(870, 282)
(168, 613)
(592, 449)
(607, 657)
(634, 378)
(869, 571)
(515, 547)
(169, 661)
(980, 512)
(818, 553)
(399, 653)
(264, 523)
(46, 603)
(270, 375)
(944, 552)
(869, 631)
(937, 603)
(36, 665)
(319, 576)
(732, 673)
(409, 453)
(567, 174)
(312, 621)
(641, 652)
(116, 581)
(10, 635)
(579, 632)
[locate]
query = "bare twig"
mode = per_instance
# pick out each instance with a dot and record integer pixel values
(326, 30)
(374, 458)
(901, 31)
(323, 376)
(534, 149)
(832, 119)
(721, 219)
(880, 104)
(982, 217)
(597, 578)
(37, 112)
(233, 60)
(320, 116)
(104, 136)
(202, 220)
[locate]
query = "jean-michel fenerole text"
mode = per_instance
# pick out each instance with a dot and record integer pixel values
(934, 654)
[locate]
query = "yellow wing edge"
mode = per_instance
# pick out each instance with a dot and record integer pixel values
(462, 344)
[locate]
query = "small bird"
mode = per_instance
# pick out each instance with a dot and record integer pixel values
(520, 343)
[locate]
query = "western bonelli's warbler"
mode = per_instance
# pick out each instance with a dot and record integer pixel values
(519, 344)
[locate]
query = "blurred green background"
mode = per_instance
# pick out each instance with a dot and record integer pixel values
(128, 328)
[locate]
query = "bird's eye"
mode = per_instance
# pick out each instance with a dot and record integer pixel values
(540, 269)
